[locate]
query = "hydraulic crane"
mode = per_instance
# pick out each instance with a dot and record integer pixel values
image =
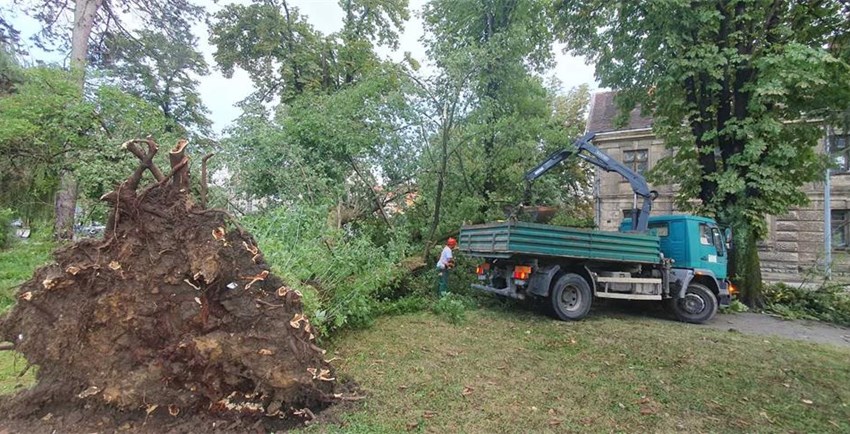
(587, 152)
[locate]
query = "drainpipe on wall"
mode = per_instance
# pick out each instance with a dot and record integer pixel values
(827, 212)
(597, 196)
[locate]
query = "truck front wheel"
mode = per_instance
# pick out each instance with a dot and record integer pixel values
(571, 297)
(697, 306)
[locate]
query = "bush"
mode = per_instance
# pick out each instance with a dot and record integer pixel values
(5, 226)
(829, 303)
(453, 307)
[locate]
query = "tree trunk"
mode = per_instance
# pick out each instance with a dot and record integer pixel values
(66, 198)
(441, 176)
(744, 266)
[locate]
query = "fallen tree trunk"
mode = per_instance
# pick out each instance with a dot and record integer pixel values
(175, 312)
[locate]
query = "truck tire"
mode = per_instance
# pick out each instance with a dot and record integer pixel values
(570, 298)
(697, 306)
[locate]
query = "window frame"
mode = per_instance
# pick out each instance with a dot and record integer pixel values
(631, 159)
(836, 152)
(840, 225)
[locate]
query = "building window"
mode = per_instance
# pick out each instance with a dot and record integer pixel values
(637, 160)
(840, 228)
(839, 148)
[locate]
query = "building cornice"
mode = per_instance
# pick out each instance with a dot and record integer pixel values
(637, 133)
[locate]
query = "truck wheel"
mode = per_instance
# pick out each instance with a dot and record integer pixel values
(697, 306)
(571, 297)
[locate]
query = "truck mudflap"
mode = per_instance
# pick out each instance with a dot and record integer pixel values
(724, 297)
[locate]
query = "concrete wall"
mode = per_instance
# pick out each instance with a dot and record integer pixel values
(792, 252)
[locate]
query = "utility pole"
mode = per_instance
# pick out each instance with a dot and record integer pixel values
(827, 209)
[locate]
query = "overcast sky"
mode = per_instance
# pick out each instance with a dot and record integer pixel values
(220, 94)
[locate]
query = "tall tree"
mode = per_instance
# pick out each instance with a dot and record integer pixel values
(502, 47)
(93, 21)
(285, 56)
(341, 111)
(162, 71)
(734, 87)
(505, 40)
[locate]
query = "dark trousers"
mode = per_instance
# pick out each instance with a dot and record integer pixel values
(443, 281)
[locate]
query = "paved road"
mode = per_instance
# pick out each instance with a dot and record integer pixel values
(766, 325)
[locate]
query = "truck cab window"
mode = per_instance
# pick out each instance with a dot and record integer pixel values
(660, 230)
(718, 241)
(705, 236)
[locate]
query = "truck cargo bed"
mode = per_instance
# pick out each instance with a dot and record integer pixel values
(507, 239)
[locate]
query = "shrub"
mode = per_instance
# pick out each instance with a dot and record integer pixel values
(5, 226)
(829, 303)
(453, 307)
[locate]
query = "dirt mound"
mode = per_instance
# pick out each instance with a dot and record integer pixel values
(173, 315)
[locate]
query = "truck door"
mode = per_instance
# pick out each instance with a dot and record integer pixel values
(712, 250)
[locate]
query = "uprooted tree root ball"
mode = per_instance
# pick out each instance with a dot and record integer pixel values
(174, 313)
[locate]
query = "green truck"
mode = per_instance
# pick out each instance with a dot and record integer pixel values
(677, 259)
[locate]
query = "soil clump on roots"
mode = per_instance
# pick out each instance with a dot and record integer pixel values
(172, 323)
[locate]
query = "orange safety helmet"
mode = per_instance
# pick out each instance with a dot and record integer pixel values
(451, 242)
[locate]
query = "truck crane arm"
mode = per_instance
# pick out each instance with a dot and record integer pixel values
(587, 152)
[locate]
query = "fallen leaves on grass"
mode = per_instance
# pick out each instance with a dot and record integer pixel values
(428, 414)
(467, 390)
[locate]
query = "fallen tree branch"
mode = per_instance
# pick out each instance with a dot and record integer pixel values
(7, 347)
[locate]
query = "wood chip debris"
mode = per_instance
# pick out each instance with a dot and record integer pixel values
(258, 278)
(219, 234)
(90, 391)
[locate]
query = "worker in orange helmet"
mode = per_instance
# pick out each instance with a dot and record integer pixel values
(445, 264)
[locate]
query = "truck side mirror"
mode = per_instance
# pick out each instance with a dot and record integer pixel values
(727, 234)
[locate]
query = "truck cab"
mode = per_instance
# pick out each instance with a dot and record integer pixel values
(697, 247)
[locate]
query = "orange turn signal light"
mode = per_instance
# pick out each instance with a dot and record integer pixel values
(521, 272)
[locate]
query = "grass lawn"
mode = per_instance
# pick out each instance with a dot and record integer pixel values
(519, 371)
(17, 265)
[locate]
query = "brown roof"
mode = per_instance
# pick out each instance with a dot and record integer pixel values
(604, 111)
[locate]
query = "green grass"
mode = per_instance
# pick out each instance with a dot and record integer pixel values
(17, 264)
(518, 371)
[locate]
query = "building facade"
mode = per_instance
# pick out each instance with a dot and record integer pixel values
(795, 248)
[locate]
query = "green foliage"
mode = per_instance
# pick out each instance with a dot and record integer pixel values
(19, 260)
(453, 307)
(737, 89)
(830, 303)
(43, 121)
(6, 216)
(735, 307)
(344, 275)
(161, 70)
(47, 124)
(285, 56)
